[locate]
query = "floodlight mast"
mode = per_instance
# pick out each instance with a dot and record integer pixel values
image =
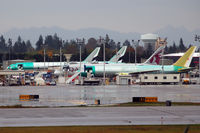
(60, 59)
(135, 44)
(80, 42)
(197, 38)
(44, 55)
(103, 41)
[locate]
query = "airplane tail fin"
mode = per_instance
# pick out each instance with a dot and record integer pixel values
(155, 57)
(186, 59)
(92, 55)
(119, 54)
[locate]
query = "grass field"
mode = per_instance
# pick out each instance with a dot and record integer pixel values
(104, 129)
(130, 104)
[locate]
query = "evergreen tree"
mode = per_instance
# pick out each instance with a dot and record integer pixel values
(65, 45)
(174, 48)
(29, 46)
(10, 48)
(84, 53)
(149, 50)
(128, 55)
(126, 43)
(166, 49)
(118, 45)
(182, 47)
(18, 45)
(190, 46)
(140, 53)
(39, 43)
(23, 47)
(3, 45)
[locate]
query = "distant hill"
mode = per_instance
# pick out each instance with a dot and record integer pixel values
(32, 34)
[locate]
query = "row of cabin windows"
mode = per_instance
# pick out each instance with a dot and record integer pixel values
(164, 77)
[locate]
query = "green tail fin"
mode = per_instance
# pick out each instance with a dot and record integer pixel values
(186, 59)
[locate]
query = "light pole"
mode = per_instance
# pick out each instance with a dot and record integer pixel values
(197, 38)
(44, 56)
(80, 42)
(102, 41)
(60, 58)
(104, 64)
(129, 55)
(135, 45)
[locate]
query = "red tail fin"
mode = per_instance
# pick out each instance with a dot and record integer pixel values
(155, 58)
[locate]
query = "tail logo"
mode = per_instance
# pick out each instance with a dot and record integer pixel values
(156, 58)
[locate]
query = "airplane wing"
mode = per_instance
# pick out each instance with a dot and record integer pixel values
(148, 71)
(92, 55)
(140, 72)
(119, 54)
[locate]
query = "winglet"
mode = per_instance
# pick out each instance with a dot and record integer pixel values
(155, 57)
(92, 55)
(186, 59)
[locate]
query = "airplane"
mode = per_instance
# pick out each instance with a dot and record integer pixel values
(41, 65)
(73, 66)
(154, 59)
(181, 65)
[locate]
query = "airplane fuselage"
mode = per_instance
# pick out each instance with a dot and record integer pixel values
(114, 69)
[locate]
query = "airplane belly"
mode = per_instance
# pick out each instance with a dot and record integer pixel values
(109, 71)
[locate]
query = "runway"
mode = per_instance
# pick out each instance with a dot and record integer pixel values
(99, 116)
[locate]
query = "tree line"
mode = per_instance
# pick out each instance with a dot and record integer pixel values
(21, 49)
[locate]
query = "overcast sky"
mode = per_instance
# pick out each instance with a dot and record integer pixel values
(142, 16)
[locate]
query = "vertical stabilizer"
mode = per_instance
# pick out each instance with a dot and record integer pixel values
(92, 55)
(119, 54)
(186, 59)
(155, 57)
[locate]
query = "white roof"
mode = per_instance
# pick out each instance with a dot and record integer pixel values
(149, 37)
(180, 54)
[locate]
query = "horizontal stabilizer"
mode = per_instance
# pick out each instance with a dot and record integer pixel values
(184, 70)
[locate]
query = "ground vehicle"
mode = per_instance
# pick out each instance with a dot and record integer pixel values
(50, 82)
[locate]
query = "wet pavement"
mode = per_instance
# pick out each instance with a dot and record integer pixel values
(69, 95)
(99, 116)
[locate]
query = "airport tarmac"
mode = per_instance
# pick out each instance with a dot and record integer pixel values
(71, 95)
(99, 116)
